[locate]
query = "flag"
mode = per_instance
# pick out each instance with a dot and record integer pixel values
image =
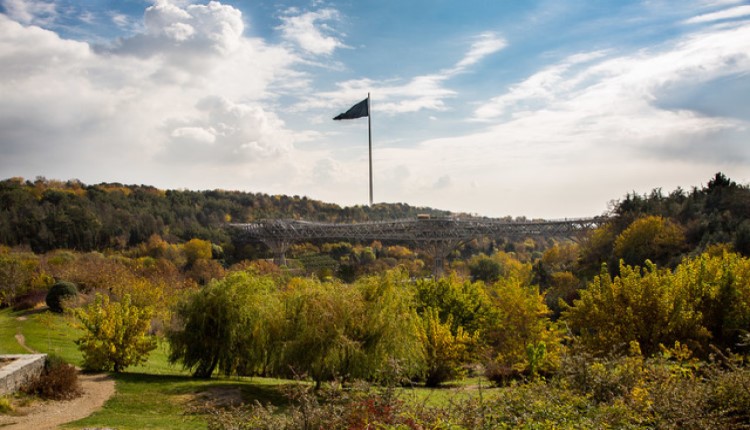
(359, 110)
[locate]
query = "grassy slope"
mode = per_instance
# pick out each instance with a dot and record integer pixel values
(150, 396)
(157, 394)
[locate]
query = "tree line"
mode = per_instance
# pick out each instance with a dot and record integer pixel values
(49, 214)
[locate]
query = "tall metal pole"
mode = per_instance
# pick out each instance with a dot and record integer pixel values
(369, 134)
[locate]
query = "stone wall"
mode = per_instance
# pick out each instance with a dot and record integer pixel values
(21, 369)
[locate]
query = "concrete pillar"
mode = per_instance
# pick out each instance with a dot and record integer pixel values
(279, 248)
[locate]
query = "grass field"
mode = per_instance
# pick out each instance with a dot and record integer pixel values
(154, 395)
(158, 395)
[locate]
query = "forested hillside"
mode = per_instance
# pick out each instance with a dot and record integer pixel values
(48, 214)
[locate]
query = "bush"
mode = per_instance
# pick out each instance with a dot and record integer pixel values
(59, 292)
(58, 381)
(5, 405)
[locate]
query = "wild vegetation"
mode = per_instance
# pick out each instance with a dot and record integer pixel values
(644, 324)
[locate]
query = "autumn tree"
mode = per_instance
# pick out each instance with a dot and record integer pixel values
(116, 335)
(516, 329)
(650, 238)
(445, 352)
(197, 249)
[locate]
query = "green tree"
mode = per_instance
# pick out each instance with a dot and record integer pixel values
(350, 331)
(227, 325)
(465, 303)
(116, 334)
(390, 324)
(324, 323)
(484, 268)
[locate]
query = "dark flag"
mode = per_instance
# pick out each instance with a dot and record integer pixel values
(359, 110)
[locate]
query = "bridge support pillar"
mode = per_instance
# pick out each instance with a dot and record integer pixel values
(279, 248)
(440, 249)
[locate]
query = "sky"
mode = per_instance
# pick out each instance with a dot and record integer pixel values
(539, 108)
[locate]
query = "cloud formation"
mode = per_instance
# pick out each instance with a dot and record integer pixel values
(190, 87)
(190, 96)
(605, 99)
(735, 12)
(31, 11)
(423, 92)
(310, 30)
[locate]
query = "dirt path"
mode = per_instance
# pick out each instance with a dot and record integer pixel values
(22, 341)
(49, 414)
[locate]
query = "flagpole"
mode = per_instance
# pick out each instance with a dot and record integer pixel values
(369, 134)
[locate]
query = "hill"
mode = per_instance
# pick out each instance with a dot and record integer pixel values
(49, 214)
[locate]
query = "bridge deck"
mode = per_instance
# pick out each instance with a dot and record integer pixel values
(416, 230)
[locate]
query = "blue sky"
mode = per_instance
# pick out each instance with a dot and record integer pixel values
(525, 108)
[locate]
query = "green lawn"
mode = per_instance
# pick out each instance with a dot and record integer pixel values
(157, 395)
(9, 327)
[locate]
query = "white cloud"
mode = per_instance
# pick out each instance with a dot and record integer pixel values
(309, 30)
(31, 11)
(592, 119)
(120, 20)
(189, 90)
(228, 132)
(539, 89)
(423, 92)
(486, 44)
(735, 12)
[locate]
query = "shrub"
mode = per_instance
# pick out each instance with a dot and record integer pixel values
(59, 292)
(5, 405)
(58, 381)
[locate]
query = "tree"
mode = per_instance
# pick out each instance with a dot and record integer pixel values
(484, 268)
(227, 325)
(197, 249)
(515, 331)
(116, 334)
(465, 303)
(445, 353)
(61, 292)
(338, 330)
(17, 271)
(650, 238)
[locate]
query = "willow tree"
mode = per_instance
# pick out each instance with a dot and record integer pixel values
(349, 331)
(226, 326)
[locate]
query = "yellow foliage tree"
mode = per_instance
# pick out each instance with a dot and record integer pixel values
(650, 238)
(196, 249)
(116, 334)
(444, 352)
(519, 335)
